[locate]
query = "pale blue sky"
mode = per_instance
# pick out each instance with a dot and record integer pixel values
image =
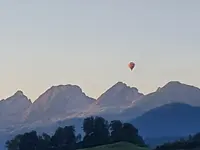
(90, 42)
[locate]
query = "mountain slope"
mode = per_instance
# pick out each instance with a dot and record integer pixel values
(59, 102)
(124, 102)
(119, 95)
(12, 108)
(114, 101)
(172, 92)
(170, 120)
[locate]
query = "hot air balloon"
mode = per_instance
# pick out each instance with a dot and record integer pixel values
(131, 65)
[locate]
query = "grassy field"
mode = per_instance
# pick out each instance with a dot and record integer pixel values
(117, 146)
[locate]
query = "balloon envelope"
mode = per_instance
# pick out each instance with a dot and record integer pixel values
(131, 65)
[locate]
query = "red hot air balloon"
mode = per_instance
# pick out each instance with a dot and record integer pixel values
(131, 65)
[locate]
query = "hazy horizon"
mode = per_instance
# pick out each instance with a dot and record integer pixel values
(90, 43)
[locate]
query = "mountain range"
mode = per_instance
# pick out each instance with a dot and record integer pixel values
(172, 106)
(170, 120)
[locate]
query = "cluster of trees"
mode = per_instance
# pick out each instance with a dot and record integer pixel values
(191, 143)
(97, 131)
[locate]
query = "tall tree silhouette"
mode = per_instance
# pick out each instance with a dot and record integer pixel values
(130, 134)
(88, 125)
(125, 132)
(13, 144)
(64, 138)
(116, 130)
(44, 142)
(29, 141)
(101, 131)
(96, 131)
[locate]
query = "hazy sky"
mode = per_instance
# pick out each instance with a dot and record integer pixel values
(90, 42)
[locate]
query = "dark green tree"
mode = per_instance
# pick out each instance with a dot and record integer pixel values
(96, 131)
(88, 125)
(116, 130)
(101, 131)
(44, 142)
(64, 138)
(125, 132)
(29, 141)
(13, 144)
(130, 134)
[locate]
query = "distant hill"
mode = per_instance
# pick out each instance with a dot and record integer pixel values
(117, 146)
(153, 142)
(170, 120)
(172, 92)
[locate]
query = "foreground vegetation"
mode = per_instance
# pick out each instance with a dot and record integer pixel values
(97, 132)
(192, 143)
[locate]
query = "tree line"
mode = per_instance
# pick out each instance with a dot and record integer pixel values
(190, 143)
(97, 131)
